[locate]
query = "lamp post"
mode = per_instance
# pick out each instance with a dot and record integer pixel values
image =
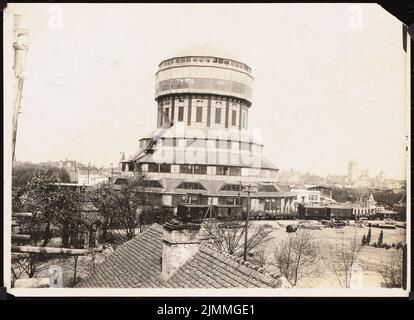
(249, 189)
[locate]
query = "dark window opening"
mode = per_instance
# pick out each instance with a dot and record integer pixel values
(180, 113)
(153, 184)
(153, 167)
(191, 186)
(218, 115)
(222, 171)
(230, 187)
(235, 171)
(199, 114)
(200, 169)
(165, 167)
(186, 168)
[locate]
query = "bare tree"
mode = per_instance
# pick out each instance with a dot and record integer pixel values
(28, 264)
(259, 257)
(228, 236)
(392, 271)
(295, 253)
(342, 255)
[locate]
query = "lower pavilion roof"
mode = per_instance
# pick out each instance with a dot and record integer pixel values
(182, 131)
(217, 159)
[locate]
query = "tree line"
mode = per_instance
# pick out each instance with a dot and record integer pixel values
(59, 211)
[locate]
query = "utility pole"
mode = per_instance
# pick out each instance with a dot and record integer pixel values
(250, 188)
(247, 223)
(21, 46)
(239, 196)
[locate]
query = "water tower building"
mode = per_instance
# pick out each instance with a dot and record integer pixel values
(202, 150)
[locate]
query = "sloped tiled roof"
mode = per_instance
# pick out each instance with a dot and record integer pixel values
(219, 158)
(137, 264)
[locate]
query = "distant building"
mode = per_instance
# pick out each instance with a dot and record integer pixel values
(352, 171)
(366, 207)
(306, 197)
(325, 194)
(337, 180)
(71, 167)
(290, 177)
(92, 176)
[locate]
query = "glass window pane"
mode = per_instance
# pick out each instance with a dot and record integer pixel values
(199, 114)
(218, 115)
(180, 113)
(233, 120)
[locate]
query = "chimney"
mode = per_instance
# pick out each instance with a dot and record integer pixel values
(180, 240)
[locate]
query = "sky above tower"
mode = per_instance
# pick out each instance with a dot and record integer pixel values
(330, 79)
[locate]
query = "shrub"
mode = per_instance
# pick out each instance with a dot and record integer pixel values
(368, 238)
(381, 238)
(364, 240)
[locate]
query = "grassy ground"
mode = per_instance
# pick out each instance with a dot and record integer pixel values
(320, 274)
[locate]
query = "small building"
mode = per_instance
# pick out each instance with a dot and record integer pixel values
(366, 207)
(305, 196)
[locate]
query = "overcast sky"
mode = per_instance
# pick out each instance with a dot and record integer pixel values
(330, 80)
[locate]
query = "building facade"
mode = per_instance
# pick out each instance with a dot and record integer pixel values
(366, 207)
(305, 196)
(202, 150)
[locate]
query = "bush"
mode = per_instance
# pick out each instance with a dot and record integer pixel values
(380, 238)
(392, 271)
(364, 240)
(368, 238)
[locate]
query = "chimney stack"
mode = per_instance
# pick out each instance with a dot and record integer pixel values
(180, 241)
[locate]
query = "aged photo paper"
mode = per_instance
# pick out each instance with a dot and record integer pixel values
(206, 150)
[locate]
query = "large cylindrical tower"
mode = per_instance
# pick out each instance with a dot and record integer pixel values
(202, 143)
(204, 86)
